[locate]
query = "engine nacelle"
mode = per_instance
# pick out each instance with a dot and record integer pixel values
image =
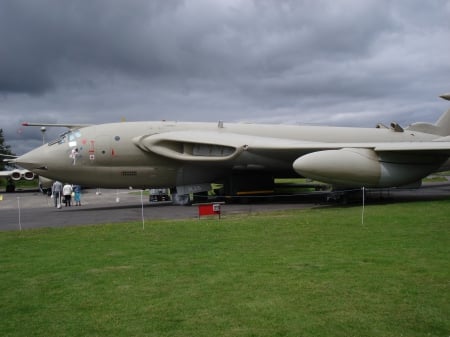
(22, 174)
(28, 175)
(355, 167)
(16, 175)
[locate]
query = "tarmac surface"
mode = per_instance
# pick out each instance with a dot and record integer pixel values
(25, 210)
(32, 209)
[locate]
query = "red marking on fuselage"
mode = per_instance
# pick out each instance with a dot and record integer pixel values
(91, 147)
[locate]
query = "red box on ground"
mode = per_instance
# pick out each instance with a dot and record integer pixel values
(209, 209)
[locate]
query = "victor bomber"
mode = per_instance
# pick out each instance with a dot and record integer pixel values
(189, 156)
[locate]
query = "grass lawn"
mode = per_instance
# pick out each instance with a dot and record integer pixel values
(316, 272)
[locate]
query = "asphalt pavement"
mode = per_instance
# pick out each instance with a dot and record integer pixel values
(25, 210)
(32, 209)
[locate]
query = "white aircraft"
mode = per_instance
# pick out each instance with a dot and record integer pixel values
(18, 174)
(189, 157)
(15, 174)
(12, 176)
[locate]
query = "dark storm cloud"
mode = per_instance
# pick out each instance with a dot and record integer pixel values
(346, 62)
(46, 41)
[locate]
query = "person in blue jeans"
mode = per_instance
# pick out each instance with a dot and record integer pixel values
(56, 193)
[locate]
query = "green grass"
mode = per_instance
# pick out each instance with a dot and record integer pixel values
(20, 184)
(435, 179)
(316, 272)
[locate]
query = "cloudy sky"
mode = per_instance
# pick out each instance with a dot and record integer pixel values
(346, 62)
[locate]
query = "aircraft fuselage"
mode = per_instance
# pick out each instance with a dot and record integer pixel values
(169, 154)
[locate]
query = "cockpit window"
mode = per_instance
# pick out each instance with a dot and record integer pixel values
(66, 136)
(61, 139)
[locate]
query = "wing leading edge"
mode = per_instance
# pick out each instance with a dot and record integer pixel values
(214, 146)
(376, 164)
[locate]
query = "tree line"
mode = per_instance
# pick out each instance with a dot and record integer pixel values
(5, 149)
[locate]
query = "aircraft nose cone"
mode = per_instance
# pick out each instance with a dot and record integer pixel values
(32, 160)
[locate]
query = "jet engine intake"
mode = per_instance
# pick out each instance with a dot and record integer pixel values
(22, 174)
(188, 150)
(16, 175)
(28, 175)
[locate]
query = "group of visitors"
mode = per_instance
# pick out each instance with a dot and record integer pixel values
(64, 193)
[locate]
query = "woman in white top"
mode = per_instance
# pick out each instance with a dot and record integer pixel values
(67, 193)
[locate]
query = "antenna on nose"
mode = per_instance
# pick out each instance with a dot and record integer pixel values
(43, 129)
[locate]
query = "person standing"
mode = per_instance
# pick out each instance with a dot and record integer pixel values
(77, 194)
(57, 188)
(67, 192)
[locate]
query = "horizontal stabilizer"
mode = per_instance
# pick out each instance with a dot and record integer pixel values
(69, 126)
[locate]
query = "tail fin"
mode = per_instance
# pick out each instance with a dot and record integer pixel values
(440, 128)
(443, 124)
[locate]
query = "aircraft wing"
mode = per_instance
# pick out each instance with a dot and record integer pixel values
(431, 147)
(5, 173)
(215, 146)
